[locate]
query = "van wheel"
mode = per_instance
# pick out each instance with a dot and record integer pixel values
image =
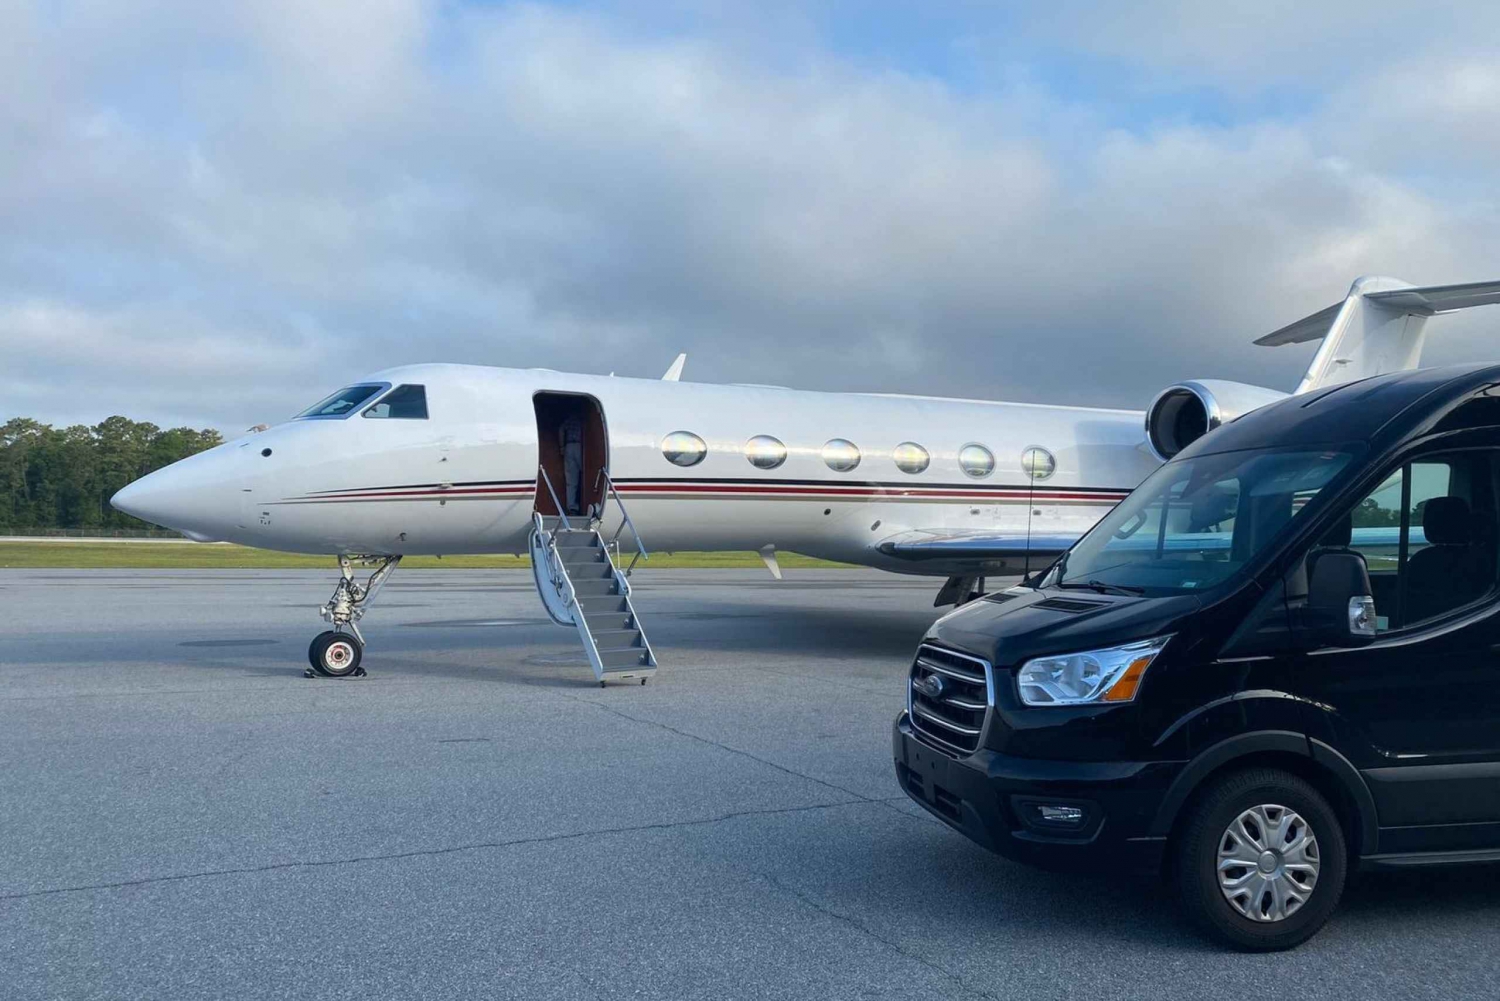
(1261, 862)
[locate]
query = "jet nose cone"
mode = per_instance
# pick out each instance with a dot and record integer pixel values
(130, 499)
(151, 498)
(193, 496)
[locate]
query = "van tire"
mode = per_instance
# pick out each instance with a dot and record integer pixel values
(1196, 851)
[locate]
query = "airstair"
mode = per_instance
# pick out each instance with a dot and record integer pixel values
(581, 585)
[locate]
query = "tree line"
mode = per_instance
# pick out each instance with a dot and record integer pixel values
(64, 477)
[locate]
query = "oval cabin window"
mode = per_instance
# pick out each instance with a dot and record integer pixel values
(765, 452)
(911, 457)
(683, 448)
(1038, 463)
(976, 461)
(840, 455)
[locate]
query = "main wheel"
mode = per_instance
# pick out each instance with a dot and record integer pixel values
(1261, 862)
(336, 655)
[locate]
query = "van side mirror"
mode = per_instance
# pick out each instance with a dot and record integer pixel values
(1340, 603)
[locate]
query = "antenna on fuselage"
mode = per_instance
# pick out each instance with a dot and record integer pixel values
(675, 372)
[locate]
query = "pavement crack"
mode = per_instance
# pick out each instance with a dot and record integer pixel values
(887, 802)
(726, 747)
(424, 852)
(874, 936)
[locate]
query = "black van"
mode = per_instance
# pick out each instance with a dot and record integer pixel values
(1278, 658)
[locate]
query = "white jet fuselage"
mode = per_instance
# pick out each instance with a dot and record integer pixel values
(464, 480)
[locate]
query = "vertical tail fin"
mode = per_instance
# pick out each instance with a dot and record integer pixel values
(1378, 328)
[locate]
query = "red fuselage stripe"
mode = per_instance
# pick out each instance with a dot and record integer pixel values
(837, 490)
(699, 489)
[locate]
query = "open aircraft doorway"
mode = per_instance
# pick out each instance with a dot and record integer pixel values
(572, 452)
(574, 566)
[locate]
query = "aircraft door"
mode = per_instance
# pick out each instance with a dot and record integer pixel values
(572, 451)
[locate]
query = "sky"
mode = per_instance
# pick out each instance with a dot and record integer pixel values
(214, 214)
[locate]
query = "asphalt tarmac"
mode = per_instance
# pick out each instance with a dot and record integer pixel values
(183, 815)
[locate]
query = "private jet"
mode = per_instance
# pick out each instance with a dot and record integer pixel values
(581, 471)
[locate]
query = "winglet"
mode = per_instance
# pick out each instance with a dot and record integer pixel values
(675, 372)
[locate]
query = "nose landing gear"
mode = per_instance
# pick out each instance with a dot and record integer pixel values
(336, 655)
(337, 652)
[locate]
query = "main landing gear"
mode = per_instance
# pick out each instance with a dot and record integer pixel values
(337, 652)
(960, 590)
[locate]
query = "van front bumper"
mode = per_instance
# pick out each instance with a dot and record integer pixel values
(1067, 815)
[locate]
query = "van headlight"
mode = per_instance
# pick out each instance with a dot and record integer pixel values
(1110, 675)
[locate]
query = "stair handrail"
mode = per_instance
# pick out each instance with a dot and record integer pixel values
(561, 511)
(640, 546)
(555, 569)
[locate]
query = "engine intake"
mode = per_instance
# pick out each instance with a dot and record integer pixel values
(1183, 413)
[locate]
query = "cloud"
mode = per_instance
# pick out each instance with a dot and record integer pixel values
(272, 197)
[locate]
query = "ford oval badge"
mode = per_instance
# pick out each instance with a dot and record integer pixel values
(931, 686)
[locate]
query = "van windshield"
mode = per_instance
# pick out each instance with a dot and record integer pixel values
(1196, 522)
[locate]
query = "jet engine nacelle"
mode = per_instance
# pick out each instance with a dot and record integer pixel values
(1183, 413)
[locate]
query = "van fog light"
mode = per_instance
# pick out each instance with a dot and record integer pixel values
(1060, 814)
(1075, 817)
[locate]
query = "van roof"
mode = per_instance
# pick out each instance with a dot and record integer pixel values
(1377, 410)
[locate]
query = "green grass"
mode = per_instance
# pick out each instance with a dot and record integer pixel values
(192, 556)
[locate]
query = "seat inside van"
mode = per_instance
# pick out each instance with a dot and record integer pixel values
(1457, 565)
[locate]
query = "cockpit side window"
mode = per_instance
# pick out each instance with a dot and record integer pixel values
(402, 403)
(344, 402)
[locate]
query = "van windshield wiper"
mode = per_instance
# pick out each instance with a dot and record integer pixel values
(1100, 586)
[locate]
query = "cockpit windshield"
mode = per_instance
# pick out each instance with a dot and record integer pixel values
(1196, 522)
(344, 402)
(402, 403)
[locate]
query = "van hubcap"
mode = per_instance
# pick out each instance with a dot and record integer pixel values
(1268, 863)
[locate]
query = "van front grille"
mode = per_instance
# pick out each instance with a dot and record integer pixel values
(948, 697)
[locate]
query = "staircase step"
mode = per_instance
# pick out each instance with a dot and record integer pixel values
(577, 540)
(633, 657)
(638, 675)
(612, 620)
(595, 586)
(602, 605)
(588, 568)
(617, 639)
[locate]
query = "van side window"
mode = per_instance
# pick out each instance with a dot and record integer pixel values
(402, 403)
(1428, 537)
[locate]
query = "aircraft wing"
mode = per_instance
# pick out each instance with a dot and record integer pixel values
(978, 547)
(955, 551)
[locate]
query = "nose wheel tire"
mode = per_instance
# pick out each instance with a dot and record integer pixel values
(1261, 860)
(336, 655)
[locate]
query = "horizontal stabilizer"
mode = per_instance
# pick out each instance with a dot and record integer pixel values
(1431, 299)
(1378, 328)
(1309, 328)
